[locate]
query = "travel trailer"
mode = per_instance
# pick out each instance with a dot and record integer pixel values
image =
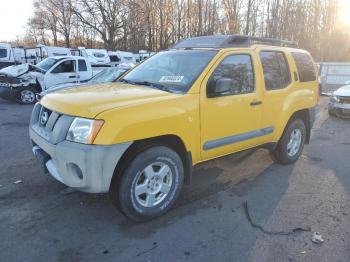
(40, 52)
(120, 57)
(10, 55)
(142, 55)
(97, 57)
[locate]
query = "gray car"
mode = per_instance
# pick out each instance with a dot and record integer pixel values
(339, 103)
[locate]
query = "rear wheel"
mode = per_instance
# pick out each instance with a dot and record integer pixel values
(150, 184)
(26, 95)
(291, 144)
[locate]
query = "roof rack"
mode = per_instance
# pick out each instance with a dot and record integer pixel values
(222, 41)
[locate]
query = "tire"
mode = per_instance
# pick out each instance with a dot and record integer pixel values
(26, 95)
(150, 184)
(288, 151)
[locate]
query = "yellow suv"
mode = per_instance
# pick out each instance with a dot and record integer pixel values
(205, 97)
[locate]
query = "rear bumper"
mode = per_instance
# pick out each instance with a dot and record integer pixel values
(87, 168)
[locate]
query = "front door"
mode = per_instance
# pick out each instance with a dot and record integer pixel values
(63, 72)
(231, 117)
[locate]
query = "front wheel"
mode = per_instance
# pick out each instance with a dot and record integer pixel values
(26, 95)
(150, 184)
(291, 144)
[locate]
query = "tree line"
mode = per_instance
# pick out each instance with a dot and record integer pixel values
(156, 24)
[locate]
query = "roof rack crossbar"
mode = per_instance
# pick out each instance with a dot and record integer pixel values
(222, 41)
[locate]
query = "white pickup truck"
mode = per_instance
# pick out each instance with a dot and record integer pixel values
(21, 83)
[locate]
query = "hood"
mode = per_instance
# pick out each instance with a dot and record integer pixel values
(343, 91)
(60, 87)
(15, 70)
(89, 101)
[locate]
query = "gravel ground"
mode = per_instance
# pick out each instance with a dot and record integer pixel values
(209, 222)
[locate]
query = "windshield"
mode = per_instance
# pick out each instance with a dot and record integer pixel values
(175, 70)
(106, 76)
(47, 63)
(3, 52)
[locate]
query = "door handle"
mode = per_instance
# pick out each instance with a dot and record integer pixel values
(256, 103)
(72, 76)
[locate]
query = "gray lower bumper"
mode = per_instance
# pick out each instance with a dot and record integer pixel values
(88, 168)
(339, 109)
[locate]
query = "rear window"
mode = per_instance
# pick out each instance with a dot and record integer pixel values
(3, 52)
(276, 70)
(305, 67)
(82, 65)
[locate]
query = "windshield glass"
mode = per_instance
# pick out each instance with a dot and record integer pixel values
(3, 52)
(176, 70)
(47, 63)
(106, 76)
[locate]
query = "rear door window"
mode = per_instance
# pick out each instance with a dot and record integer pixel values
(276, 70)
(82, 65)
(305, 67)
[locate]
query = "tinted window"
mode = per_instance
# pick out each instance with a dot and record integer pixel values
(65, 67)
(82, 65)
(276, 70)
(114, 58)
(305, 67)
(3, 52)
(239, 69)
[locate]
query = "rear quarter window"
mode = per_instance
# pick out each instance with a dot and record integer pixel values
(276, 70)
(305, 67)
(82, 65)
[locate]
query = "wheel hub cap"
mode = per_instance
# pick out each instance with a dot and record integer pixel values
(27, 96)
(294, 143)
(153, 184)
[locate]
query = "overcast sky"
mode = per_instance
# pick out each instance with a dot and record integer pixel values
(13, 17)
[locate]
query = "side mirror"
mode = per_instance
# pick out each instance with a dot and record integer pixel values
(219, 87)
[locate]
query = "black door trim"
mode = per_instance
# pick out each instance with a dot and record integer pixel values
(237, 138)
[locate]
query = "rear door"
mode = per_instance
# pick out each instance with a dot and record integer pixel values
(231, 121)
(276, 68)
(84, 71)
(63, 72)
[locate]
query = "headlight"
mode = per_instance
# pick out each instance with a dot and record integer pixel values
(84, 130)
(334, 99)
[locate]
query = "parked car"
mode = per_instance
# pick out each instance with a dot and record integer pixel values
(207, 97)
(21, 83)
(107, 75)
(339, 102)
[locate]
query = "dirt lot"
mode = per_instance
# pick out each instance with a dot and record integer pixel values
(209, 223)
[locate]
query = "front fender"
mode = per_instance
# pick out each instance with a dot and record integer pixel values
(177, 115)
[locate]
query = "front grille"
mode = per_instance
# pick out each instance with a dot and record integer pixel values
(344, 99)
(49, 124)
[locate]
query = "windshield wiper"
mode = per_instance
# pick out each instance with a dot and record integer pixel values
(151, 84)
(156, 85)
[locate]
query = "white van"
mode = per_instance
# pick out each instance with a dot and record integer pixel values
(121, 57)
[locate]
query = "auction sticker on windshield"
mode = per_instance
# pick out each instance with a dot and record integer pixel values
(171, 79)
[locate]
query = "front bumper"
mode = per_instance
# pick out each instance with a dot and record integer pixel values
(8, 93)
(339, 109)
(87, 168)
